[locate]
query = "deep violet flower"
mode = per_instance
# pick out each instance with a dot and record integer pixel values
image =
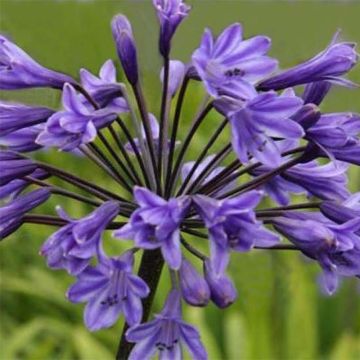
(104, 89)
(156, 224)
(232, 225)
(109, 289)
(19, 71)
(335, 247)
(230, 59)
(18, 116)
(170, 14)
(166, 334)
(74, 126)
(12, 213)
(315, 92)
(336, 60)
(73, 245)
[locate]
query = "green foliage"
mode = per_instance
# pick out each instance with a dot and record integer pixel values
(280, 313)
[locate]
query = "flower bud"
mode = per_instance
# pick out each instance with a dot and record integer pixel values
(315, 93)
(125, 46)
(222, 290)
(307, 116)
(194, 288)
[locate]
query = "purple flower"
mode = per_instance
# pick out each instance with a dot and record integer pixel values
(14, 166)
(194, 288)
(336, 60)
(74, 126)
(23, 140)
(232, 225)
(259, 119)
(176, 75)
(315, 93)
(222, 290)
(15, 187)
(19, 71)
(12, 213)
(125, 46)
(18, 116)
(335, 247)
(166, 334)
(110, 289)
(337, 136)
(341, 212)
(170, 14)
(156, 224)
(72, 246)
(104, 89)
(229, 59)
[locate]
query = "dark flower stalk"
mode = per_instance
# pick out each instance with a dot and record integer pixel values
(169, 201)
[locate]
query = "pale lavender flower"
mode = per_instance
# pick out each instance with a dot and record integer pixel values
(232, 225)
(156, 224)
(230, 59)
(75, 125)
(170, 14)
(19, 71)
(166, 334)
(73, 245)
(109, 289)
(176, 75)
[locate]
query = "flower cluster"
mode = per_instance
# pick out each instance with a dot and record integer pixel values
(282, 145)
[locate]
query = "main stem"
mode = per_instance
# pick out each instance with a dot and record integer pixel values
(150, 271)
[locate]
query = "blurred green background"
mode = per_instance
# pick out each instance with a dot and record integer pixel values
(280, 313)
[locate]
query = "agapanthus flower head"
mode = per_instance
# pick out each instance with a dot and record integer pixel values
(109, 289)
(75, 125)
(170, 14)
(73, 245)
(229, 59)
(125, 46)
(166, 334)
(336, 60)
(19, 71)
(177, 203)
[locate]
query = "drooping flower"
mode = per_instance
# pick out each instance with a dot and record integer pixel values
(232, 225)
(109, 289)
(170, 14)
(166, 334)
(12, 213)
(74, 126)
(335, 247)
(19, 71)
(229, 59)
(125, 46)
(194, 289)
(259, 119)
(73, 245)
(336, 60)
(222, 290)
(16, 186)
(18, 116)
(176, 75)
(156, 224)
(104, 90)
(14, 166)
(315, 92)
